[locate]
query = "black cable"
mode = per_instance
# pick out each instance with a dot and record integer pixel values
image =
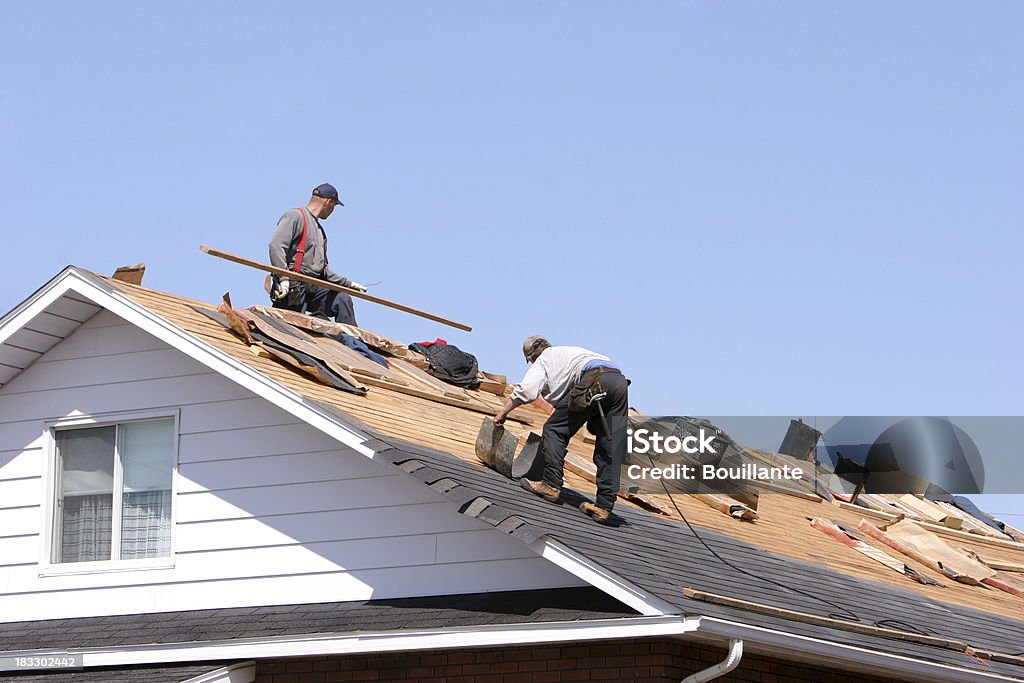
(853, 615)
(833, 615)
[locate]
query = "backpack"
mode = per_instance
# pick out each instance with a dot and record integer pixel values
(450, 364)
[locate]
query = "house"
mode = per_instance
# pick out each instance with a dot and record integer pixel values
(179, 503)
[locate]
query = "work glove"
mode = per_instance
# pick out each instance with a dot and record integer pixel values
(280, 290)
(352, 284)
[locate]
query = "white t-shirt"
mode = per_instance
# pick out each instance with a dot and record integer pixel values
(554, 373)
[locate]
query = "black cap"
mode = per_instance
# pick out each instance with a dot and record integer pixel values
(326, 191)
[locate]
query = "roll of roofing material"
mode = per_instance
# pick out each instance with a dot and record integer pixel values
(497, 448)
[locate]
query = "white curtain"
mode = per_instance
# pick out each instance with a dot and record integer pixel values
(87, 524)
(146, 525)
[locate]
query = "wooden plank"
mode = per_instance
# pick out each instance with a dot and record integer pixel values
(281, 272)
(840, 624)
(726, 506)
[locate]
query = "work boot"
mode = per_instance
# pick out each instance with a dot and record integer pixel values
(542, 489)
(599, 515)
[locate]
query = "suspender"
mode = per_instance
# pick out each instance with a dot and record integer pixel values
(301, 251)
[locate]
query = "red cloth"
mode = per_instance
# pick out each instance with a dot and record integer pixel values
(436, 341)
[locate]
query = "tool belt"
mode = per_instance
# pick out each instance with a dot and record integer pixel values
(588, 389)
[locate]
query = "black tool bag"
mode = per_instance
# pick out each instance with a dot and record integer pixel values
(450, 364)
(584, 391)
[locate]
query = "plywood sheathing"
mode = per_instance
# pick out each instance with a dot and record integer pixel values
(782, 527)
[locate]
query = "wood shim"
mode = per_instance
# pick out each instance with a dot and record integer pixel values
(930, 511)
(841, 624)
(918, 543)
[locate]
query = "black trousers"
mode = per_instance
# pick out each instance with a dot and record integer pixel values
(609, 449)
(319, 301)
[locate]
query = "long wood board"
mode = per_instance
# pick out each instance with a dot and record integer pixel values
(282, 272)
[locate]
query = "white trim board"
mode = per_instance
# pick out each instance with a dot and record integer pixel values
(243, 672)
(379, 641)
(614, 585)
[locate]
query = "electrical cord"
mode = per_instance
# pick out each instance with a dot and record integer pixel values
(853, 617)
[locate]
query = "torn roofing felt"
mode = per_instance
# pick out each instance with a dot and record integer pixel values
(314, 366)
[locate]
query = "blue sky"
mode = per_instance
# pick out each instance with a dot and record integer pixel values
(756, 208)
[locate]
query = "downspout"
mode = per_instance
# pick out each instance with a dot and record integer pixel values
(731, 661)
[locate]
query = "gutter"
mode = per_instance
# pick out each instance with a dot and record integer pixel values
(731, 661)
(366, 642)
(807, 649)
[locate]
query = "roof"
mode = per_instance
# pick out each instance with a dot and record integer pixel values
(649, 559)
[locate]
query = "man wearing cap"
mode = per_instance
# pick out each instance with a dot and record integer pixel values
(567, 376)
(299, 244)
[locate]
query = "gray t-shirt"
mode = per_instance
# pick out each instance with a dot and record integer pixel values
(285, 243)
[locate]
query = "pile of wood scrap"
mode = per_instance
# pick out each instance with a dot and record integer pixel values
(916, 542)
(852, 541)
(310, 346)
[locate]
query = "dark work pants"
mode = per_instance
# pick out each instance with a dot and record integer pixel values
(609, 449)
(319, 301)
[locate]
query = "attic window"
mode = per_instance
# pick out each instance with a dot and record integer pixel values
(113, 491)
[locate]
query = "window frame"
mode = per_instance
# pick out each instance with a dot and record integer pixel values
(51, 525)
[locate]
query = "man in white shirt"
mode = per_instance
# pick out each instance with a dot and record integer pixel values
(554, 372)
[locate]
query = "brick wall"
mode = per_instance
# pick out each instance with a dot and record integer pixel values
(641, 661)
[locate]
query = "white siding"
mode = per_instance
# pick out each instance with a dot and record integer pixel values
(267, 509)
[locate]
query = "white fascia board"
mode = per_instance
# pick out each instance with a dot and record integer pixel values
(19, 316)
(243, 672)
(809, 649)
(614, 585)
(379, 641)
(72, 280)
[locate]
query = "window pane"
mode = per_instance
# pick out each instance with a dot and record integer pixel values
(147, 458)
(87, 491)
(147, 455)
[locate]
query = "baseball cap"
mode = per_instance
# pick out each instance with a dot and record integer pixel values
(327, 191)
